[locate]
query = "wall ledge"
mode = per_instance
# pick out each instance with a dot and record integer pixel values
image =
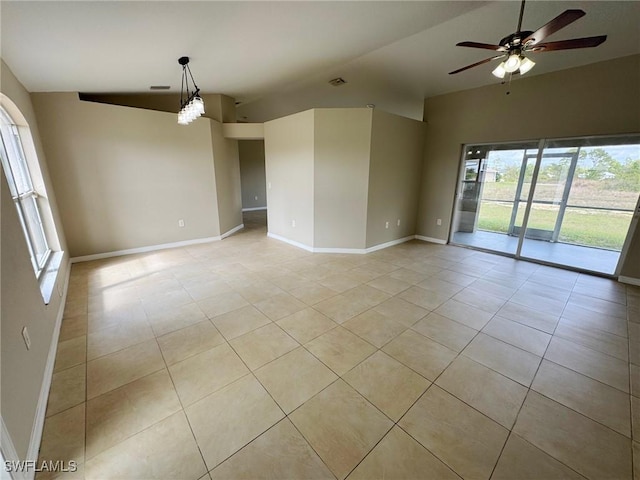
(629, 280)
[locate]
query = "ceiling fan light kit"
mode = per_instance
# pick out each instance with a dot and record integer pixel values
(513, 47)
(514, 64)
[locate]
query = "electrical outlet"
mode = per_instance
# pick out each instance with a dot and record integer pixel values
(386, 224)
(25, 336)
(398, 222)
(439, 222)
(181, 223)
(256, 197)
(269, 185)
(293, 223)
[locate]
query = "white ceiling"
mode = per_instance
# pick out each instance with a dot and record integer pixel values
(276, 57)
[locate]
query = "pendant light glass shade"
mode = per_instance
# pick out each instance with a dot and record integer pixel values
(191, 104)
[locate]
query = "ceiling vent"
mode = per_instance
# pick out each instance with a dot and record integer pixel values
(159, 87)
(336, 82)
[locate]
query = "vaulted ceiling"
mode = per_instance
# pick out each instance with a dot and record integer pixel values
(277, 57)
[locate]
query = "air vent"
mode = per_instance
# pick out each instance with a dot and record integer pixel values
(336, 82)
(159, 87)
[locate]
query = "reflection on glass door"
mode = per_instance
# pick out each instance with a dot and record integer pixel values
(569, 204)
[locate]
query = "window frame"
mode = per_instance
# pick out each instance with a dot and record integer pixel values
(12, 155)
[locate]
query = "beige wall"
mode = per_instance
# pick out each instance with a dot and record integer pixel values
(244, 131)
(23, 370)
(252, 175)
(397, 145)
(345, 172)
(602, 98)
(288, 146)
(342, 139)
(227, 172)
(125, 176)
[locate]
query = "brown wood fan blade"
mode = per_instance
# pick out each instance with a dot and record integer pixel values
(586, 42)
(486, 60)
(561, 21)
(485, 46)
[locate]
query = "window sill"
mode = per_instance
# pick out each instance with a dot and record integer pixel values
(49, 276)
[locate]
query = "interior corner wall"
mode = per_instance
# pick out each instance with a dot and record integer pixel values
(397, 145)
(288, 146)
(23, 370)
(597, 99)
(342, 140)
(227, 175)
(252, 175)
(125, 176)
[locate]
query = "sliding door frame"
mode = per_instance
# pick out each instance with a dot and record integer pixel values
(542, 143)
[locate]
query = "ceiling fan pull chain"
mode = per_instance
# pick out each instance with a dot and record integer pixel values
(509, 84)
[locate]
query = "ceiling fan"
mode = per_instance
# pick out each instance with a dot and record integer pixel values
(513, 47)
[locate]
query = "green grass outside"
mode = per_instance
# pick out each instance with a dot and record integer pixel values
(590, 193)
(593, 228)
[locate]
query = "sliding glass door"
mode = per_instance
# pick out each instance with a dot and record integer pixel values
(567, 202)
(493, 189)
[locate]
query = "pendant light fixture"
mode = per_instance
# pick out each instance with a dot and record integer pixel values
(191, 105)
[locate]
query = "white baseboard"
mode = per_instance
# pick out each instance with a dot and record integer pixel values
(290, 242)
(356, 251)
(41, 409)
(232, 231)
(397, 241)
(253, 209)
(150, 248)
(9, 453)
(353, 251)
(431, 239)
(629, 280)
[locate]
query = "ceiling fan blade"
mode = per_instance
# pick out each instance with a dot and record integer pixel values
(486, 60)
(561, 21)
(486, 46)
(587, 42)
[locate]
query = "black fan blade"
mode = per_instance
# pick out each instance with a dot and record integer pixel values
(587, 42)
(486, 60)
(561, 21)
(486, 46)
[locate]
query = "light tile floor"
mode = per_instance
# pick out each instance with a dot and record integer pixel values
(249, 358)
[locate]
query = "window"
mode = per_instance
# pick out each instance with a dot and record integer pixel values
(21, 187)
